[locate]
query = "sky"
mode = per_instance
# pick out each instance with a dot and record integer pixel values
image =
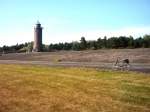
(69, 20)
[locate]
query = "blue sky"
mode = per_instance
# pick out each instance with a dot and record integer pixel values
(68, 20)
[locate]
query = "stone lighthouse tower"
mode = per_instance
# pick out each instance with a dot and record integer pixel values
(37, 47)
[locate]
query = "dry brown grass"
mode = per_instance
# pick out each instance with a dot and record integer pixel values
(26, 88)
(109, 55)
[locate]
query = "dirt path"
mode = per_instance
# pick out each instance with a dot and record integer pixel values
(134, 66)
(103, 55)
(104, 58)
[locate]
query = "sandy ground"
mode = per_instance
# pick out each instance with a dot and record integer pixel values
(139, 58)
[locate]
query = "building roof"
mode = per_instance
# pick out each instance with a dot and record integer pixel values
(38, 22)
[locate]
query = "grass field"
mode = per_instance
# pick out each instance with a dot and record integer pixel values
(26, 88)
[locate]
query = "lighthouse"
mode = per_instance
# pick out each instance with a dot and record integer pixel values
(37, 47)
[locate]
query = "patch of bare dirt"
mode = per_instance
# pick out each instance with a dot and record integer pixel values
(139, 58)
(107, 56)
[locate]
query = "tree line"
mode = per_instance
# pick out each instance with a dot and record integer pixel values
(26, 47)
(108, 43)
(83, 44)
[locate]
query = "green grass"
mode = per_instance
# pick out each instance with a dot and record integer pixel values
(26, 88)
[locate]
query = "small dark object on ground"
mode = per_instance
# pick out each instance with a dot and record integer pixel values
(126, 61)
(123, 64)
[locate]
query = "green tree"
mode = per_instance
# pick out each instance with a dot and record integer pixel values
(123, 41)
(146, 41)
(131, 42)
(76, 46)
(99, 43)
(67, 46)
(5, 49)
(93, 45)
(30, 47)
(83, 43)
(113, 42)
(105, 42)
(138, 42)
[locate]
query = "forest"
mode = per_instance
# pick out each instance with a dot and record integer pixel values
(121, 42)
